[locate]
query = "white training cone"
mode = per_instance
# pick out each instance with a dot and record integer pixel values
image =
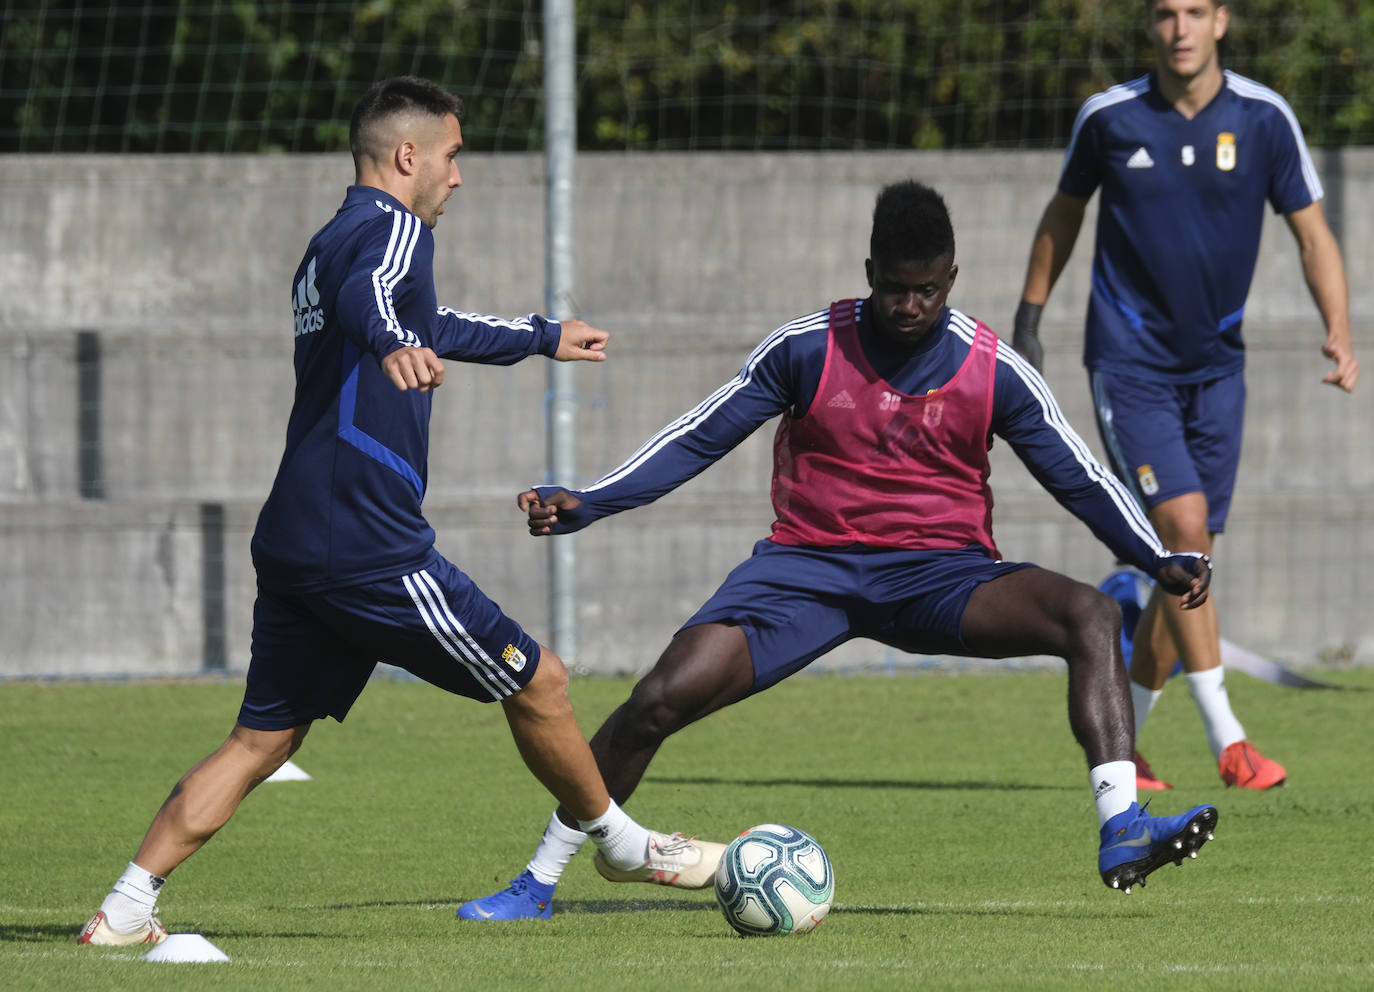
(289, 772)
(190, 947)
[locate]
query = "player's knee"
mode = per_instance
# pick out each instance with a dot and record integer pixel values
(1093, 617)
(552, 674)
(1185, 536)
(650, 714)
(264, 751)
(548, 686)
(1182, 524)
(1106, 614)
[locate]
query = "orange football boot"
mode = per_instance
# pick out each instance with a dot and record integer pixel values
(1243, 766)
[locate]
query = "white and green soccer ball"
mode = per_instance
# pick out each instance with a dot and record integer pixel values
(774, 880)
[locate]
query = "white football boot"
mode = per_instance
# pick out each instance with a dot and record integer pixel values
(682, 862)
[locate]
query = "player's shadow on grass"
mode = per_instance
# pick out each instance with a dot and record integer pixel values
(396, 904)
(561, 907)
(1087, 910)
(866, 783)
(602, 907)
(38, 932)
(44, 932)
(211, 934)
(572, 907)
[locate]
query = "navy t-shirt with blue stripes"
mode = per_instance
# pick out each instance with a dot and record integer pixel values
(1179, 220)
(345, 506)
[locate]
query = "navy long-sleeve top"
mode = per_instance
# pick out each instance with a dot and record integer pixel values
(781, 377)
(345, 506)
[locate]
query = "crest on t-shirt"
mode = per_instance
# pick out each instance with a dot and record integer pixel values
(1226, 151)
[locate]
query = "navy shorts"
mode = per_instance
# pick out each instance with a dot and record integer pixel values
(1166, 439)
(314, 652)
(796, 603)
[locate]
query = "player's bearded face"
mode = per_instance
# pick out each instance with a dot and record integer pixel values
(437, 176)
(908, 297)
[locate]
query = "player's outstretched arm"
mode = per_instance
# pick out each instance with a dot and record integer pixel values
(687, 446)
(581, 342)
(1187, 576)
(542, 514)
(1324, 271)
(414, 368)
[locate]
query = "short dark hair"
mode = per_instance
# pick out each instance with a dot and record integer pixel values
(910, 224)
(1150, 5)
(399, 94)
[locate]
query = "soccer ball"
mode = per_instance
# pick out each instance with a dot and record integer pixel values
(774, 880)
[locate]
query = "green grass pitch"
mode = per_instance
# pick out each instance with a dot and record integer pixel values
(955, 810)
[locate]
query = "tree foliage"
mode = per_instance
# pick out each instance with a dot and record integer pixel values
(244, 76)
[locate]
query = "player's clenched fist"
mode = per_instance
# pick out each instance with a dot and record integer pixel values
(581, 342)
(414, 368)
(1187, 576)
(543, 513)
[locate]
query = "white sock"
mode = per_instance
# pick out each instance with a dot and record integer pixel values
(556, 849)
(1142, 701)
(1209, 692)
(131, 902)
(1113, 785)
(622, 841)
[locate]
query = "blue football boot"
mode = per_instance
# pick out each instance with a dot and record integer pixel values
(526, 898)
(1134, 843)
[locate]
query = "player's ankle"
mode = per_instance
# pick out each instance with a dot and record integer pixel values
(556, 848)
(133, 900)
(621, 841)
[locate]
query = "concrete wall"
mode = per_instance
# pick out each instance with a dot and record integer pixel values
(180, 266)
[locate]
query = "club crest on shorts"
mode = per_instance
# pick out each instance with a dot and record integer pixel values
(1226, 151)
(1149, 485)
(514, 657)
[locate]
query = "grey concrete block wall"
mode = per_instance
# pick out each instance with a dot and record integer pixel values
(181, 266)
(101, 588)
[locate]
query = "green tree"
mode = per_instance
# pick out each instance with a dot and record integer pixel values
(243, 76)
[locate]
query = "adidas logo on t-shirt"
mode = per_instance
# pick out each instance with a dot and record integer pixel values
(842, 400)
(1140, 159)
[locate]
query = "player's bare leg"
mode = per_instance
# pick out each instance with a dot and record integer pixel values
(199, 804)
(703, 669)
(1167, 634)
(545, 729)
(1164, 633)
(546, 732)
(1034, 611)
(208, 794)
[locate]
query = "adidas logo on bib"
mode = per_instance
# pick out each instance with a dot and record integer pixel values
(1140, 159)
